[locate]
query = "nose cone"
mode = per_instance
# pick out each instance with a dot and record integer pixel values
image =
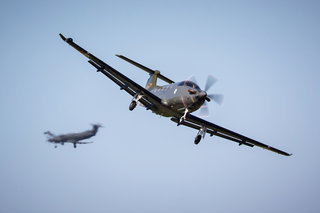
(202, 94)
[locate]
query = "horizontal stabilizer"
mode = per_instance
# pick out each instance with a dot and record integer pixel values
(150, 71)
(82, 142)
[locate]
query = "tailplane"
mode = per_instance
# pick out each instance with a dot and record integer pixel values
(154, 74)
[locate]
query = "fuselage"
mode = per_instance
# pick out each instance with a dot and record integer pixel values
(180, 96)
(74, 137)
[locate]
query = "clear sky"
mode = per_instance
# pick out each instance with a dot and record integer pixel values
(265, 55)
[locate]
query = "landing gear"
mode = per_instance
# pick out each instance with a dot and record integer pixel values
(197, 139)
(183, 118)
(55, 146)
(134, 101)
(201, 134)
(74, 145)
(132, 105)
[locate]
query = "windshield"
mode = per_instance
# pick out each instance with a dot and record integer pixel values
(189, 84)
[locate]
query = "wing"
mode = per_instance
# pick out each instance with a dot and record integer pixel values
(83, 142)
(213, 129)
(148, 99)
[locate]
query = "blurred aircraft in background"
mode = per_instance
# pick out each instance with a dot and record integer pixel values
(73, 137)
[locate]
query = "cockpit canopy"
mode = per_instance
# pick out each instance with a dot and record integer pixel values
(189, 84)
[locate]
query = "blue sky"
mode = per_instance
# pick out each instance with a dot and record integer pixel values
(265, 55)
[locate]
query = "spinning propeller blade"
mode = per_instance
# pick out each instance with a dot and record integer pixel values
(193, 79)
(218, 98)
(204, 110)
(210, 81)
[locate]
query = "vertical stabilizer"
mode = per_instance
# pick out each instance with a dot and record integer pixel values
(152, 81)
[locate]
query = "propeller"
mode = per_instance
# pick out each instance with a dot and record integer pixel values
(218, 98)
(204, 110)
(193, 79)
(210, 81)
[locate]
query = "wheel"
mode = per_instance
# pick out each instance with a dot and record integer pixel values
(197, 139)
(132, 105)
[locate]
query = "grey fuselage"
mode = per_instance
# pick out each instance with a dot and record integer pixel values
(179, 96)
(74, 137)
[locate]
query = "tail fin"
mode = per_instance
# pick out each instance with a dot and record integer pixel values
(152, 81)
(49, 133)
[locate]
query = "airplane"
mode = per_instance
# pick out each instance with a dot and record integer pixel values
(73, 137)
(176, 100)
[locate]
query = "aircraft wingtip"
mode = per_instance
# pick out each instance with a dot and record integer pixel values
(63, 38)
(68, 40)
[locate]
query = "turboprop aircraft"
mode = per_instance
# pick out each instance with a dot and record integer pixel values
(176, 100)
(73, 137)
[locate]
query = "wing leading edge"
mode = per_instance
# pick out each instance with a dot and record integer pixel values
(150, 101)
(213, 129)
